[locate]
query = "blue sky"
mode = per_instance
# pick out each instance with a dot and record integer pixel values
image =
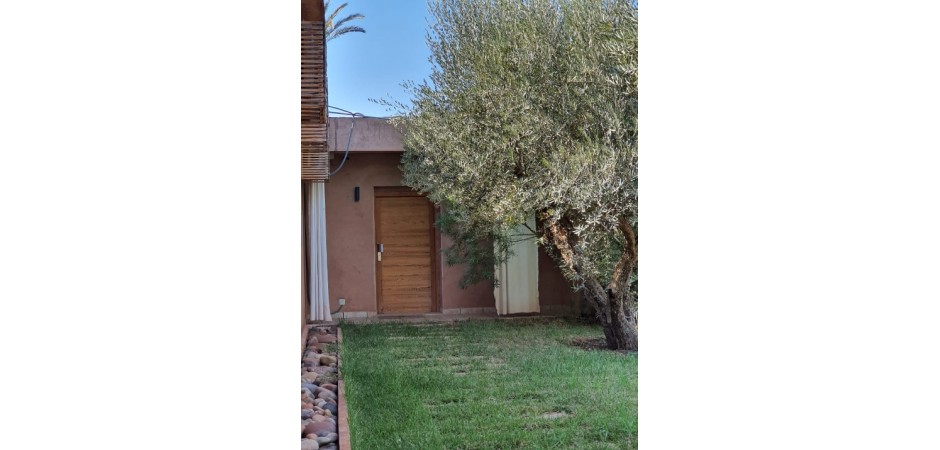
(373, 64)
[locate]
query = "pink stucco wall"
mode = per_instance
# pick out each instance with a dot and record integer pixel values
(350, 228)
(553, 288)
(479, 295)
(369, 135)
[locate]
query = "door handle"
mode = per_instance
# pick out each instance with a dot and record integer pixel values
(378, 253)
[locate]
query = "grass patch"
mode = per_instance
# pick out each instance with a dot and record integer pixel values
(486, 385)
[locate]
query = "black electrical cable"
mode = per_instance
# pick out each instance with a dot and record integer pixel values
(348, 142)
(354, 116)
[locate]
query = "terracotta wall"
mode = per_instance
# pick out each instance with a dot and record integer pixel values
(350, 231)
(369, 135)
(479, 295)
(554, 289)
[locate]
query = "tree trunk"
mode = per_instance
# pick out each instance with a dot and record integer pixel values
(616, 318)
(611, 305)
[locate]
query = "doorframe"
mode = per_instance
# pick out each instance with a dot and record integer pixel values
(434, 237)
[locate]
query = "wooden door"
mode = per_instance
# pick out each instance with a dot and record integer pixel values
(405, 280)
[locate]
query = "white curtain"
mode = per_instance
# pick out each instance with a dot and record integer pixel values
(518, 289)
(319, 287)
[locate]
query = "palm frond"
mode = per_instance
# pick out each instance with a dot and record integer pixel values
(329, 20)
(347, 19)
(341, 31)
(334, 28)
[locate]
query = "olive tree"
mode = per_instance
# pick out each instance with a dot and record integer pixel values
(531, 109)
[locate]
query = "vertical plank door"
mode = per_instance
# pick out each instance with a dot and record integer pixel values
(403, 225)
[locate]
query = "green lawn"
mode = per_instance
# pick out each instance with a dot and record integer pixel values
(486, 385)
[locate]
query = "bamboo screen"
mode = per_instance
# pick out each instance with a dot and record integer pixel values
(314, 161)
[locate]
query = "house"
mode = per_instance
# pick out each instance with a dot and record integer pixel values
(370, 247)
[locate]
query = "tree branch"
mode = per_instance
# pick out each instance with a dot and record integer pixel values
(628, 258)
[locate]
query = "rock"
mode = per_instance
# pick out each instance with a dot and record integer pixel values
(306, 384)
(306, 413)
(326, 360)
(326, 395)
(331, 408)
(311, 376)
(312, 339)
(330, 447)
(309, 444)
(329, 438)
(323, 369)
(319, 402)
(329, 386)
(320, 428)
(326, 339)
(317, 418)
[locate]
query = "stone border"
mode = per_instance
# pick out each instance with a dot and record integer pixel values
(344, 440)
(320, 389)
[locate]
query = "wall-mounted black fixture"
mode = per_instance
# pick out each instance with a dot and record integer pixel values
(356, 195)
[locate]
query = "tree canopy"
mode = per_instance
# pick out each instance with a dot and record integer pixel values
(531, 109)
